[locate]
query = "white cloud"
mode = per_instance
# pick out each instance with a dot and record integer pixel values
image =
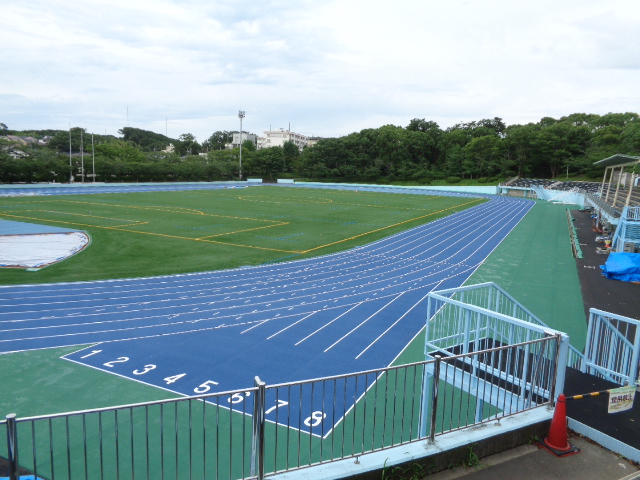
(329, 68)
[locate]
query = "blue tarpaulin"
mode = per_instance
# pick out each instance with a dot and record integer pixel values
(622, 266)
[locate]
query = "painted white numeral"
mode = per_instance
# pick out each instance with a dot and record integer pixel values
(281, 403)
(147, 368)
(118, 360)
(237, 397)
(205, 387)
(315, 419)
(93, 352)
(174, 378)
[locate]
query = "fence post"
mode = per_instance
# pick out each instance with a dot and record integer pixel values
(12, 446)
(634, 373)
(257, 446)
(589, 350)
(434, 397)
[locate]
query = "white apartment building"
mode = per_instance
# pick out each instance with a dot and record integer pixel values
(235, 143)
(277, 138)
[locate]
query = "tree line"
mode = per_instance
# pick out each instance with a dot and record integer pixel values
(486, 150)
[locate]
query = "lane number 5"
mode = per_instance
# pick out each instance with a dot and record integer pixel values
(205, 387)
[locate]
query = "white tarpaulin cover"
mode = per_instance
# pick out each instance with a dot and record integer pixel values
(34, 251)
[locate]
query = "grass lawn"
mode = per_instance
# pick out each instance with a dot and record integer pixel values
(146, 234)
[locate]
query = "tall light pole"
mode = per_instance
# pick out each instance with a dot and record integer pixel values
(70, 167)
(93, 156)
(82, 155)
(241, 116)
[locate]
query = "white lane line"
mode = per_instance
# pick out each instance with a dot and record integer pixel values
(362, 323)
(291, 325)
(395, 323)
(328, 323)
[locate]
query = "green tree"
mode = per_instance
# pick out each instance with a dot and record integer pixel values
(519, 145)
(120, 151)
(77, 136)
(269, 161)
(630, 138)
(217, 141)
(433, 131)
(225, 164)
(249, 146)
(483, 156)
(291, 154)
(559, 144)
(187, 145)
(147, 141)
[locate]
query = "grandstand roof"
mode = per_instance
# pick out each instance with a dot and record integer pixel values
(617, 160)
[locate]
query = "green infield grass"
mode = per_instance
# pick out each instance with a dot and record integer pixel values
(146, 234)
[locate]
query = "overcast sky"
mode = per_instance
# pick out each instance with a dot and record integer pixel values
(327, 68)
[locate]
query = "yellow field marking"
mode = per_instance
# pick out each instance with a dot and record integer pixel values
(389, 226)
(129, 223)
(132, 224)
(182, 210)
(119, 228)
(290, 200)
(281, 224)
(199, 240)
(157, 208)
(297, 201)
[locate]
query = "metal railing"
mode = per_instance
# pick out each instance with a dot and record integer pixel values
(632, 214)
(266, 429)
(613, 348)
(484, 386)
(603, 208)
(474, 317)
(628, 229)
(573, 236)
(192, 437)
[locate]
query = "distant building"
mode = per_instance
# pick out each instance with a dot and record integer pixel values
(236, 141)
(311, 141)
(277, 138)
(15, 138)
(14, 153)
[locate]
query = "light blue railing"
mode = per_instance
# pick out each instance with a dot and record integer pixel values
(613, 347)
(628, 229)
(472, 318)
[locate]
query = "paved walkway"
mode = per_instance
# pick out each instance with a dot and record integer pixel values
(529, 462)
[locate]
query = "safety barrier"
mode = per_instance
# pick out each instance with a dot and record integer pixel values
(612, 350)
(573, 236)
(475, 317)
(628, 231)
(275, 428)
(605, 212)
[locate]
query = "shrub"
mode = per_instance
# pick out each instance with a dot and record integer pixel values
(453, 179)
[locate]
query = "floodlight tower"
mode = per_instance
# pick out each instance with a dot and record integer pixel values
(240, 116)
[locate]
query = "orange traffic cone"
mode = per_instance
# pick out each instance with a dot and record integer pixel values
(556, 442)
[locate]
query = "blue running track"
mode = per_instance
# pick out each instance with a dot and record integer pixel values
(215, 331)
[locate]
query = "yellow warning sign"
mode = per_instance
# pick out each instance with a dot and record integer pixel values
(621, 399)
